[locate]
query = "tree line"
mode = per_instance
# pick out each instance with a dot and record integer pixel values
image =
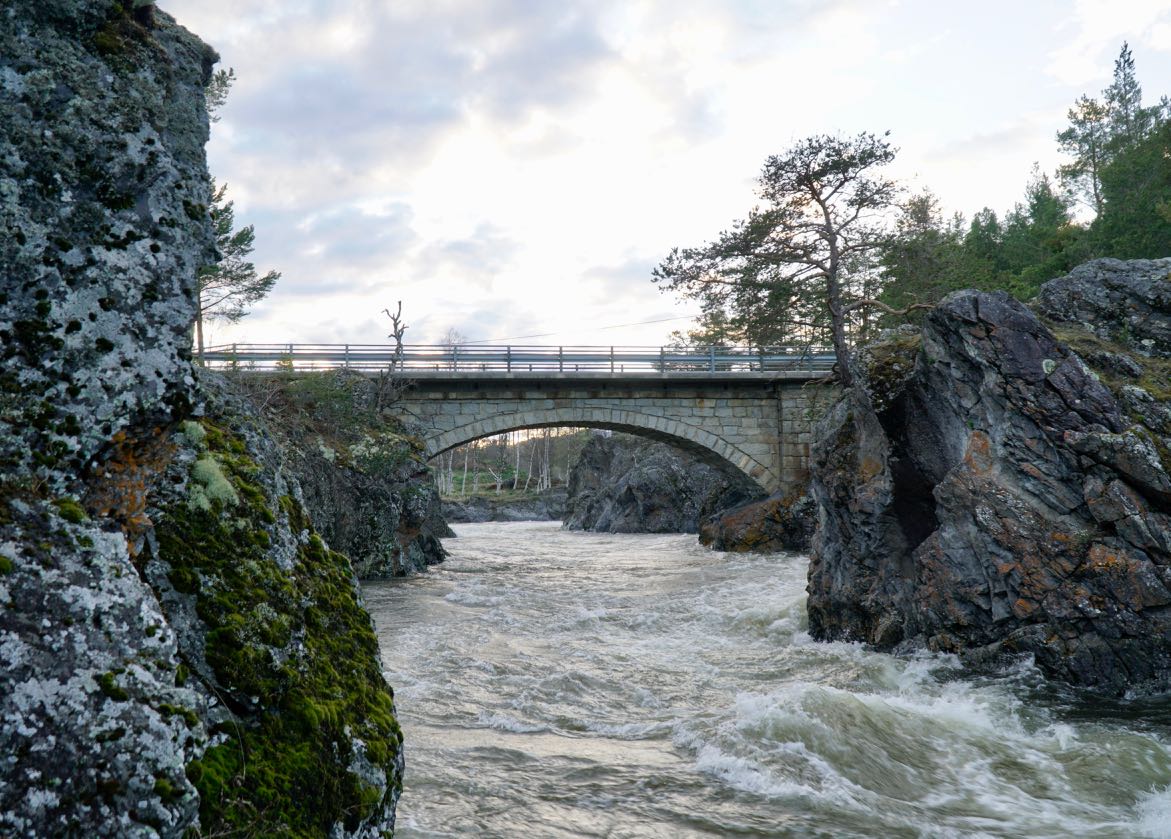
(835, 248)
(519, 461)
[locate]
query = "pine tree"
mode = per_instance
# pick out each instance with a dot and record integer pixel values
(229, 287)
(1086, 142)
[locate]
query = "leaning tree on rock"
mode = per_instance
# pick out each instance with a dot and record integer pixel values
(806, 255)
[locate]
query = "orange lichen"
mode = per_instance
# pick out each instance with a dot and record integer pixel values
(120, 490)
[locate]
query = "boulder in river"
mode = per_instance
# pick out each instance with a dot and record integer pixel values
(770, 525)
(625, 484)
(1003, 498)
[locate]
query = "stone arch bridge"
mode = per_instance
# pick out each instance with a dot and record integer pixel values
(757, 423)
(743, 410)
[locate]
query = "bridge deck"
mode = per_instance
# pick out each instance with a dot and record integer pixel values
(473, 362)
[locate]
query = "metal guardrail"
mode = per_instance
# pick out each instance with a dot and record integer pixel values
(519, 359)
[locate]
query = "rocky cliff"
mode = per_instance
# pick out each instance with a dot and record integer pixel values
(363, 473)
(624, 484)
(1005, 497)
(178, 650)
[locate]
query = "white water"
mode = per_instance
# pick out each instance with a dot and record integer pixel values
(565, 684)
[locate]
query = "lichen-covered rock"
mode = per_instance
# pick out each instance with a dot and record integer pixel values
(101, 230)
(624, 484)
(1128, 302)
(103, 220)
(773, 524)
(999, 499)
(179, 652)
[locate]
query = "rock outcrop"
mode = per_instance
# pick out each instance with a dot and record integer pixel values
(165, 608)
(364, 475)
(1124, 302)
(771, 525)
(624, 484)
(547, 506)
(1001, 497)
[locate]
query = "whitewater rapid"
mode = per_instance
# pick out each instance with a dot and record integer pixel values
(568, 684)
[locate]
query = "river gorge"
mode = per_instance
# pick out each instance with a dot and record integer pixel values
(560, 683)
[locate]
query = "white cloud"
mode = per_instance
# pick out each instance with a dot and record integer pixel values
(510, 167)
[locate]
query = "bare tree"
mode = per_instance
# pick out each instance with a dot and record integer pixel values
(398, 328)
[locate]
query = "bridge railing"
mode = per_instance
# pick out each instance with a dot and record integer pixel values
(470, 358)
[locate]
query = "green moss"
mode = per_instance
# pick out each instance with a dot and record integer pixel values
(292, 650)
(70, 510)
(167, 791)
(6, 566)
(109, 686)
(188, 715)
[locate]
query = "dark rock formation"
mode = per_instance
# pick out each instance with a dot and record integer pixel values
(164, 604)
(364, 476)
(623, 484)
(999, 500)
(1126, 302)
(548, 506)
(773, 524)
(376, 503)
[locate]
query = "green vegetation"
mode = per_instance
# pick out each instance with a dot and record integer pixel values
(231, 285)
(294, 656)
(70, 510)
(764, 281)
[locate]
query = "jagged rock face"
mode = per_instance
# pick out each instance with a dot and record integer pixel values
(548, 506)
(101, 149)
(103, 216)
(382, 510)
(1129, 302)
(623, 484)
(774, 524)
(998, 500)
(162, 597)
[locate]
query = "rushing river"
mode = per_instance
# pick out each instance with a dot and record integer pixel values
(556, 684)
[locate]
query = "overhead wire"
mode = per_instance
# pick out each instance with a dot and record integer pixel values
(591, 329)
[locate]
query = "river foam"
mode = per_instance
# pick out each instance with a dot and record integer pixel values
(557, 683)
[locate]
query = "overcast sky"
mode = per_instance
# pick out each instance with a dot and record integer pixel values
(516, 167)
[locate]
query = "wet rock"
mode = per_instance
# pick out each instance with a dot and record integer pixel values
(1000, 500)
(774, 524)
(624, 484)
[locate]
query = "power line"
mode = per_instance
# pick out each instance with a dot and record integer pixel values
(591, 329)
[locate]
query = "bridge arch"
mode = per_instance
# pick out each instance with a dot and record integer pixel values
(706, 446)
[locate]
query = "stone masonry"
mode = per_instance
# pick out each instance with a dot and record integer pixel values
(759, 426)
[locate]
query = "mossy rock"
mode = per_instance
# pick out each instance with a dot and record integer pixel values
(294, 658)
